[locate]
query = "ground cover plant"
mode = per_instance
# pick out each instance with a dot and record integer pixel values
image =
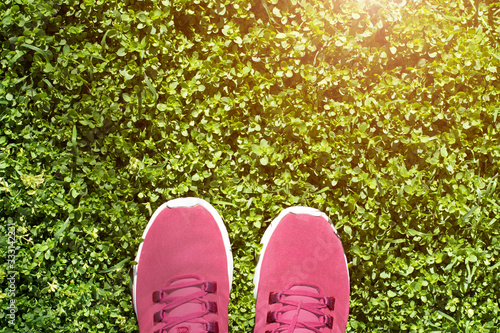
(382, 114)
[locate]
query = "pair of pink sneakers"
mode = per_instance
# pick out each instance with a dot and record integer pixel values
(184, 270)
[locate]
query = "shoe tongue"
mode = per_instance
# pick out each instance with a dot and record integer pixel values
(303, 315)
(186, 309)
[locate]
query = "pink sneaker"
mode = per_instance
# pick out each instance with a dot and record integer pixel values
(184, 270)
(301, 280)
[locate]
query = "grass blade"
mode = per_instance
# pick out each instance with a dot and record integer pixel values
(469, 213)
(150, 86)
(61, 229)
(37, 49)
(447, 316)
(115, 267)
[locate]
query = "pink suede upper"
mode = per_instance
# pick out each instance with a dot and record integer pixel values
(182, 240)
(304, 249)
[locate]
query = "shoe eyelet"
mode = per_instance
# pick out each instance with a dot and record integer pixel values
(158, 296)
(213, 327)
(274, 297)
(330, 303)
(328, 320)
(210, 287)
(271, 317)
(158, 316)
(212, 307)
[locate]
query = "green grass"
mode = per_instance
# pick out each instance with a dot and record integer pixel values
(384, 117)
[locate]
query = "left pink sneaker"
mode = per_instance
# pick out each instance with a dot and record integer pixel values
(184, 270)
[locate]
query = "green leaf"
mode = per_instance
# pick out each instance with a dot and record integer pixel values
(121, 52)
(59, 201)
(116, 267)
(126, 75)
(444, 151)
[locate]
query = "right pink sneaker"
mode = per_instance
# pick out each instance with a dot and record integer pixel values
(301, 280)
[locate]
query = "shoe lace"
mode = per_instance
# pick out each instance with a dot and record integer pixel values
(287, 315)
(174, 302)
